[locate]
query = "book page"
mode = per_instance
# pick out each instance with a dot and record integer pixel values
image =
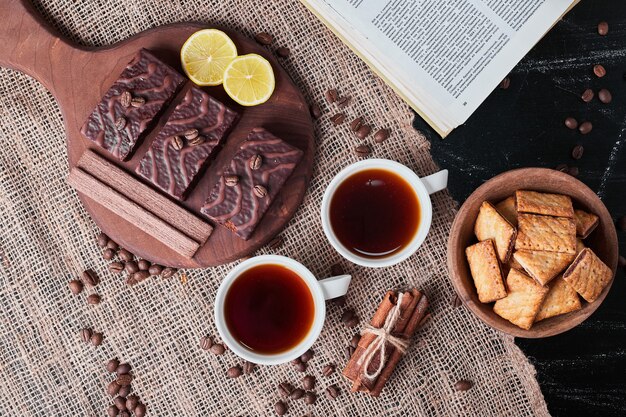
(452, 53)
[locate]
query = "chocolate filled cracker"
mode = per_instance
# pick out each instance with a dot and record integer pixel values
(131, 104)
(187, 142)
(251, 181)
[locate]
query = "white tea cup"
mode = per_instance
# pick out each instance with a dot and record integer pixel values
(422, 187)
(320, 291)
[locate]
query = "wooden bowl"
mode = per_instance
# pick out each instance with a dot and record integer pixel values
(603, 241)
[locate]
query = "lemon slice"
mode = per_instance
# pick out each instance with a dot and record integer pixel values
(205, 56)
(249, 80)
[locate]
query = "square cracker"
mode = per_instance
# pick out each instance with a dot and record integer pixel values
(553, 234)
(523, 300)
(491, 225)
(585, 223)
(588, 275)
(486, 271)
(543, 266)
(543, 203)
(561, 299)
(507, 209)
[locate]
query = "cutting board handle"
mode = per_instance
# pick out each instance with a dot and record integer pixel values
(28, 44)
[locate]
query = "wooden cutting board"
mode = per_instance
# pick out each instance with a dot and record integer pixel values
(79, 76)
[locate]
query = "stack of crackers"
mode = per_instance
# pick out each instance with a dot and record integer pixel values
(525, 243)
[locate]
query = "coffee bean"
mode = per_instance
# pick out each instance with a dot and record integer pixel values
(190, 134)
(125, 99)
(463, 385)
(599, 70)
(255, 162)
(343, 102)
(585, 128)
(123, 368)
(248, 367)
(571, 123)
(577, 152)
(169, 272)
(295, 361)
(456, 303)
(124, 413)
(102, 240)
(113, 389)
(264, 38)
(120, 403)
(603, 28)
(284, 389)
(338, 119)
(573, 171)
(108, 254)
(131, 402)
(125, 255)
(143, 264)
(217, 349)
(347, 315)
(76, 286)
(621, 262)
(283, 52)
(280, 408)
(362, 150)
(140, 410)
(331, 95)
(141, 275)
(336, 269)
(124, 380)
(307, 356)
(562, 167)
(137, 102)
(587, 95)
(112, 411)
(310, 398)
(198, 140)
(363, 131)
(339, 301)
(308, 382)
(315, 110)
(155, 269)
(234, 372)
(332, 392)
(260, 191)
(347, 353)
(231, 180)
(90, 278)
(93, 299)
(354, 342)
(356, 124)
(86, 334)
(112, 365)
(120, 123)
(112, 245)
(328, 370)
(206, 342)
(506, 83)
(381, 135)
(116, 267)
(131, 267)
(97, 338)
(177, 143)
(296, 394)
(621, 223)
(301, 367)
(605, 96)
(124, 391)
(275, 243)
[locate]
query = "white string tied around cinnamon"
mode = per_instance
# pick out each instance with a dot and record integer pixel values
(383, 336)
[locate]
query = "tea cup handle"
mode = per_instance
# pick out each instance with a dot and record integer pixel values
(334, 287)
(436, 182)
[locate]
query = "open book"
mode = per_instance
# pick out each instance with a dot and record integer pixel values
(443, 57)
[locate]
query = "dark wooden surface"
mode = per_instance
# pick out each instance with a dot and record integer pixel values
(581, 372)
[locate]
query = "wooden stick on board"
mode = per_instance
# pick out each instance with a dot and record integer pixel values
(145, 196)
(112, 200)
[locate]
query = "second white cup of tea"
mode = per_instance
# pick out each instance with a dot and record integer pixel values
(422, 187)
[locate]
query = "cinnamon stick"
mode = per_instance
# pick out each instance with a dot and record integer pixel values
(413, 324)
(132, 212)
(143, 195)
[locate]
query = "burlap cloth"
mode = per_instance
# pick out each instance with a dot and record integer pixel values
(46, 238)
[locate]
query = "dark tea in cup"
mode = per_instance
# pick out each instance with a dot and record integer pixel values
(269, 309)
(374, 213)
